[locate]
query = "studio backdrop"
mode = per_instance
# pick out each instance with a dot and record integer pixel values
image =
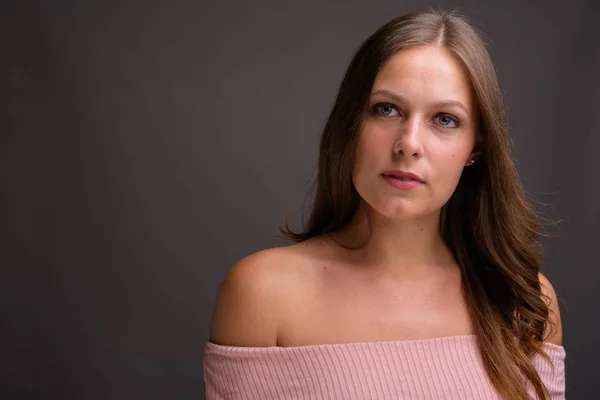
(145, 146)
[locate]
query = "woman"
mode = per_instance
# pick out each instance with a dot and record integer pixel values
(419, 273)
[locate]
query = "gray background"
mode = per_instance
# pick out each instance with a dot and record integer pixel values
(146, 146)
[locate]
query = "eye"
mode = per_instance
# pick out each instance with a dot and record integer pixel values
(446, 120)
(385, 109)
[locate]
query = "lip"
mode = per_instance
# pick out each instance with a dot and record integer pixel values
(400, 184)
(400, 173)
(414, 182)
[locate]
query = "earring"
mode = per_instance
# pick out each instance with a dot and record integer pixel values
(472, 162)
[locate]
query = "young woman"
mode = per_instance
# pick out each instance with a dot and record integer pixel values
(419, 273)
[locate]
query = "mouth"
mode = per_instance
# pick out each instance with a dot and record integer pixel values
(402, 176)
(403, 183)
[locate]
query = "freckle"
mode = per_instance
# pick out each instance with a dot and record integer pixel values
(324, 267)
(421, 229)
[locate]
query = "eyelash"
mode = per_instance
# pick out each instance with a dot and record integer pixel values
(452, 117)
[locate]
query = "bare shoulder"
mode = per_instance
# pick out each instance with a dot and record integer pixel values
(553, 332)
(253, 296)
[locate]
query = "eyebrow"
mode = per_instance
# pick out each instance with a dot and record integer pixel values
(438, 104)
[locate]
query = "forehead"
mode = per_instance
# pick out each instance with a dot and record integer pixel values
(425, 73)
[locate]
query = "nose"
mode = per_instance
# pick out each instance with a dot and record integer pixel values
(409, 139)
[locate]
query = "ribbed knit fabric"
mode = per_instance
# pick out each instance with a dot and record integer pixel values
(447, 367)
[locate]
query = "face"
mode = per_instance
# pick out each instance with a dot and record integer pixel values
(421, 119)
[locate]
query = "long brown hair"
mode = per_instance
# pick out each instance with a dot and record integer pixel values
(487, 223)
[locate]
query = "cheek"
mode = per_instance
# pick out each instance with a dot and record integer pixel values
(449, 167)
(370, 149)
(372, 143)
(452, 161)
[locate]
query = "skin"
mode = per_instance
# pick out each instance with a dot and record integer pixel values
(402, 283)
(407, 129)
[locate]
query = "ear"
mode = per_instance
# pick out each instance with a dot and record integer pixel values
(475, 152)
(473, 158)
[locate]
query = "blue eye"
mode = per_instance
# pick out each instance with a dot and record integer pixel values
(385, 109)
(446, 120)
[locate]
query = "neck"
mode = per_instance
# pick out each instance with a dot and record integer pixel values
(405, 246)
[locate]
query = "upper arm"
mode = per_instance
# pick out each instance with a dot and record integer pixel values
(553, 332)
(245, 312)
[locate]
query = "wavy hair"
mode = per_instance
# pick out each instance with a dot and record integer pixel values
(487, 223)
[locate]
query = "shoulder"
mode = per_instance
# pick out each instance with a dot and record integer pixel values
(252, 298)
(553, 332)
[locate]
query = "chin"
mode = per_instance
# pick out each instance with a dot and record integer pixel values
(399, 209)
